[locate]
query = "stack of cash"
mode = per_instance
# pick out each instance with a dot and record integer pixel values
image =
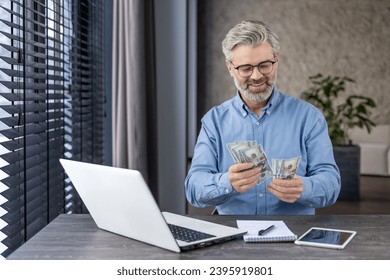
(285, 168)
(249, 151)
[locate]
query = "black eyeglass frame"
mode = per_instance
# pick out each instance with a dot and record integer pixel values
(258, 67)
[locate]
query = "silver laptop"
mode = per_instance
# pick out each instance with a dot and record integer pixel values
(119, 201)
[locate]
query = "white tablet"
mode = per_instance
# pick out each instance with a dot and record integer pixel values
(326, 238)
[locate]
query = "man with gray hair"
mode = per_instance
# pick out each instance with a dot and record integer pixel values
(232, 168)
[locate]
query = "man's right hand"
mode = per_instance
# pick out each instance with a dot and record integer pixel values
(243, 177)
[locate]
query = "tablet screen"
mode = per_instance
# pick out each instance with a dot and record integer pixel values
(331, 238)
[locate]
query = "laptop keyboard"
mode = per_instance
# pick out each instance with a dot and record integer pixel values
(188, 235)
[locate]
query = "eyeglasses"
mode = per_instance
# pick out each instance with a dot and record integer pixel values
(264, 68)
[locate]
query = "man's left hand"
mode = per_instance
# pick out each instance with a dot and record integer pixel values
(286, 190)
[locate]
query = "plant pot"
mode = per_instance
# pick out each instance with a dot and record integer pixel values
(347, 158)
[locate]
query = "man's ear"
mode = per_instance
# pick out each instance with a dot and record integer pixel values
(229, 67)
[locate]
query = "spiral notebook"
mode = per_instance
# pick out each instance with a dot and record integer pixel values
(279, 233)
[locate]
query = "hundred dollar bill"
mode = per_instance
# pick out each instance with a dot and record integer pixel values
(290, 167)
(276, 166)
(257, 156)
(237, 146)
(285, 168)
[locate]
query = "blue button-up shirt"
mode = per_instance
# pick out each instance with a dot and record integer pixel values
(287, 127)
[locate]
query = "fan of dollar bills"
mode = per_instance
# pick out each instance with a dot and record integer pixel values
(250, 151)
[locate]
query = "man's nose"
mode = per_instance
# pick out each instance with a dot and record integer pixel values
(256, 74)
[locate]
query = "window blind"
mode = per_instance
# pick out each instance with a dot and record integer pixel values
(51, 107)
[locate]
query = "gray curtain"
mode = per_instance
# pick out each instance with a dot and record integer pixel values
(133, 92)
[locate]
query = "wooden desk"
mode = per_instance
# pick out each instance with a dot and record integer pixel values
(77, 237)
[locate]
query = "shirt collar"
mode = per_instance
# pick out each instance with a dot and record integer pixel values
(244, 110)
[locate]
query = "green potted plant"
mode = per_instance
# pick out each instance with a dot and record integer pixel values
(342, 113)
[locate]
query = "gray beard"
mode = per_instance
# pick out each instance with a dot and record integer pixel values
(255, 97)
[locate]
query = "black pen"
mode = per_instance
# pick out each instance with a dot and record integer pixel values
(262, 231)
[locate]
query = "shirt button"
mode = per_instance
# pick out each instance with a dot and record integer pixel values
(261, 195)
(257, 123)
(227, 191)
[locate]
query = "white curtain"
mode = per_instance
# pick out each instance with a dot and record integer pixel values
(129, 90)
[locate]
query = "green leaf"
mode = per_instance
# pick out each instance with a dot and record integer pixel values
(354, 111)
